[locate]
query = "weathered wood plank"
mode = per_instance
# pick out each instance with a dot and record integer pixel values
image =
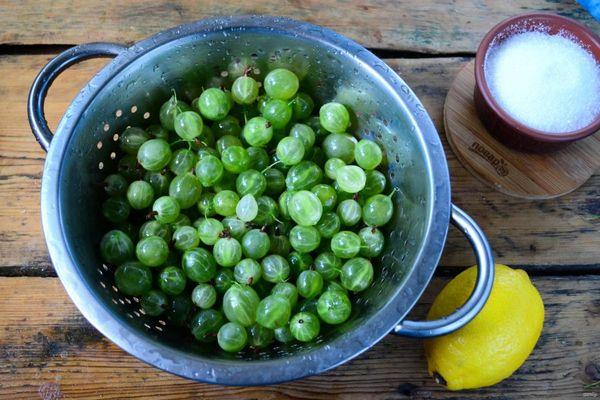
(48, 349)
(562, 231)
(426, 26)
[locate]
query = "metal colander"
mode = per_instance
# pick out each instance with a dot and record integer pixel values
(129, 92)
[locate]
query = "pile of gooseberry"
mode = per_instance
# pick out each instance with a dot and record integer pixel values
(243, 216)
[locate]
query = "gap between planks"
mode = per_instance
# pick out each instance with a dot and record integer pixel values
(52, 49)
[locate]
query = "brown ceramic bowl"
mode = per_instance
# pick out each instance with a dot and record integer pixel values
(496, 120)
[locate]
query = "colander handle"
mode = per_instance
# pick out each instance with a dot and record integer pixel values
(41, 84)
(479, 296)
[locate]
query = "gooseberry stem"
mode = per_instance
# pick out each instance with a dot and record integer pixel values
(393, 191)
(271, 166)
(237, 284)
(175, 100)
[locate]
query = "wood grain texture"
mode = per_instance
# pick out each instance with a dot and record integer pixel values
(437, 26)
(47, 349)
(558, 232)
(516, 173)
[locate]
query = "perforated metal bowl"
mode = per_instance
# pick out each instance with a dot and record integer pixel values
(129, 91)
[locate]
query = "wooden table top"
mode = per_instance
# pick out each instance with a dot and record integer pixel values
(48, 350)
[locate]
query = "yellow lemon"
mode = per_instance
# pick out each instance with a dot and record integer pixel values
(497, 341)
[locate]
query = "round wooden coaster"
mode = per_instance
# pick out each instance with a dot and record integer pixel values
(516, 173)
